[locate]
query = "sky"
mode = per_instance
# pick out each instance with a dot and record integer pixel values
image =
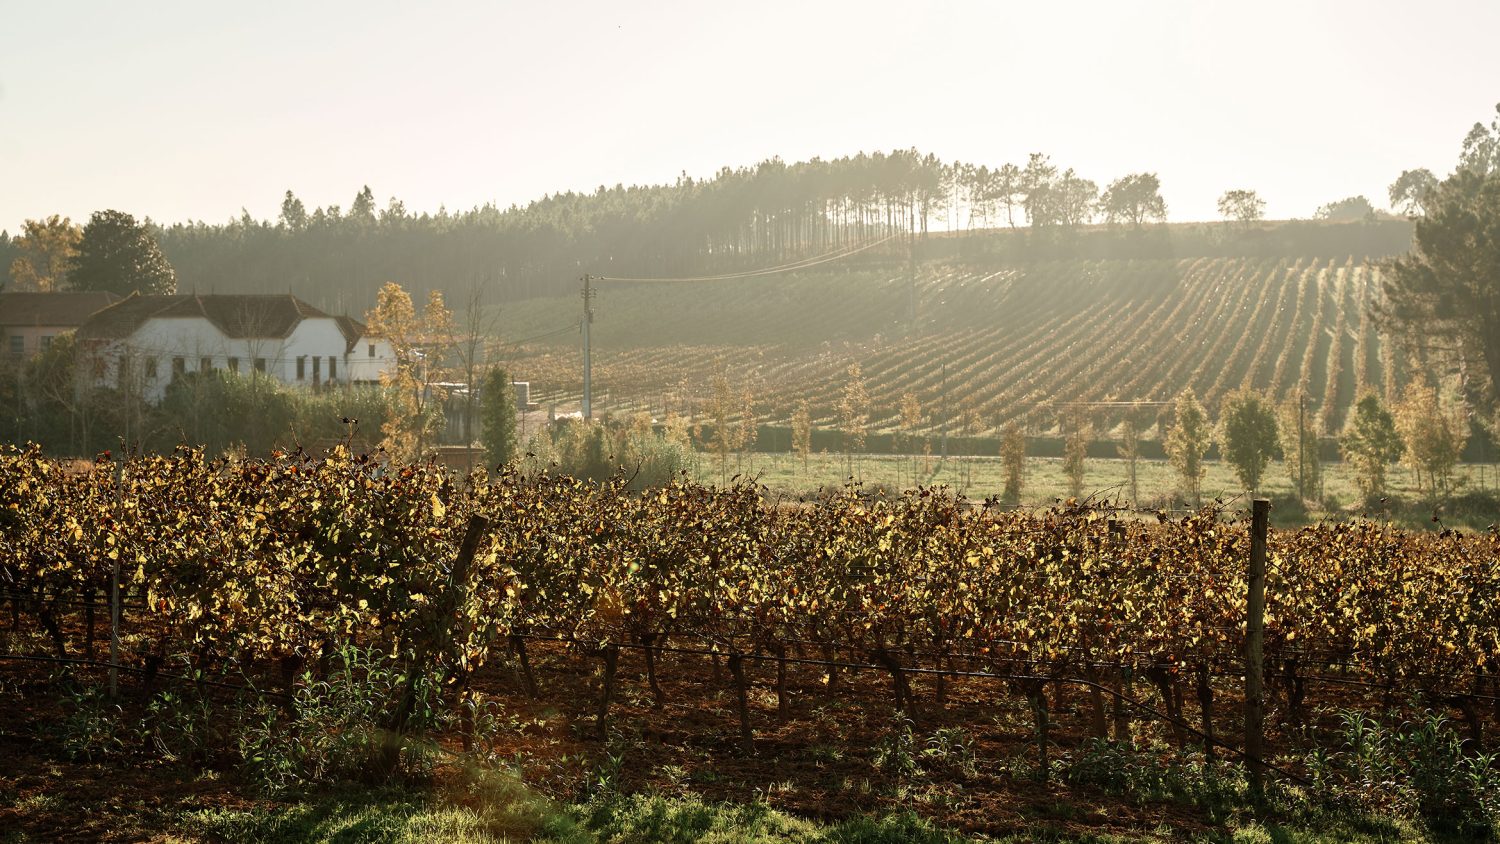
(197, 110)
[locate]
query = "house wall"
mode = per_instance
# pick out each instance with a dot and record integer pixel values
(319, 339)
(161, 340)
(197, 342)
(365, 367)
(31, 337)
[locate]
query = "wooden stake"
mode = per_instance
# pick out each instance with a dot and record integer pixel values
(742, 689)
(611, 663)
(1255, 630)
(452, 600)
(658, 697)
(114, 584)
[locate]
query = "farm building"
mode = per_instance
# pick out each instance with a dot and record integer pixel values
(143, 342)
(30, 321)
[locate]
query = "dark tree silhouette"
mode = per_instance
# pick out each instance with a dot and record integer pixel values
(120, 255)
(1134, 200)
(1445, 294)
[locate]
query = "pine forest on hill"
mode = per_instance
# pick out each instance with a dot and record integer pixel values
(739, 218)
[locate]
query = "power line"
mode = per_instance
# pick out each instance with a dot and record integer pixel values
(544, 335)
(783, 268)
(584, 323)
(1140, 403)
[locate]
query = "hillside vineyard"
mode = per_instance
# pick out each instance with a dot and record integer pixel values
(1012, 344)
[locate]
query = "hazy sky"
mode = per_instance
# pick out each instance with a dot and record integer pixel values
(194, 110)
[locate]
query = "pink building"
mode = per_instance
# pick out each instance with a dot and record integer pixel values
(29, 321)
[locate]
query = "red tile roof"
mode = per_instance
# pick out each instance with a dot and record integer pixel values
(238, 316)
(352, 329)
(52, 309)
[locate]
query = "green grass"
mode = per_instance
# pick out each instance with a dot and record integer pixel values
(393, 816)
(1045, 482)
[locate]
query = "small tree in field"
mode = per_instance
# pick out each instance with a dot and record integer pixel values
(911, 424)
(1247, 429)
(1013, 461)
(802, 432)
(749, 424)
(497, 421)
(854, 410)
(1076, 451)
(972, 425)
(1299, 445)
(421, 344)
(720, 407)
(1187, 442)
(1370, 443)
(1130, 450)
(1434, 436)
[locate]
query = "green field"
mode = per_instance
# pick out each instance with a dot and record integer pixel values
(1045, 482)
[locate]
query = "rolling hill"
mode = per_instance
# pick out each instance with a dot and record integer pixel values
(989, 345)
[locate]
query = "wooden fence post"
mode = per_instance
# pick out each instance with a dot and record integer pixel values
(451, 601)
(114, 582)
(742, 695)
(1255, 628)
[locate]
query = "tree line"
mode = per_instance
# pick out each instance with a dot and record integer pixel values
(744, 217)
(773, 211)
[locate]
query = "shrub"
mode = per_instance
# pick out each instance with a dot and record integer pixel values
(1247, 429)
(1418, 767)
(497, 415)
(339, 726)
(92, 727)
(177, 727)
(218, 409)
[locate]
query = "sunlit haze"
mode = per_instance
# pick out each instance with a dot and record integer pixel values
(193, 110)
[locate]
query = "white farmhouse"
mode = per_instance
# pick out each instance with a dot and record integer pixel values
(142, 343)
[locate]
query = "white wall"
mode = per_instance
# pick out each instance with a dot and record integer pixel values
(317, 338)
(365, 367)
(197, 341)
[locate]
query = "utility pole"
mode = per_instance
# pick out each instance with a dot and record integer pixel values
(911, 288)
(588, 359)
(943, 393)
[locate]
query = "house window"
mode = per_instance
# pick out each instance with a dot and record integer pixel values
(317, 371)
(46, 342)
(17, 345)
(372, 350)
(333, 368)
(150, 367)
(123, 373)
(302, 367)
(205, 364)
(234, 365)
(179, 366)
(260, 364)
